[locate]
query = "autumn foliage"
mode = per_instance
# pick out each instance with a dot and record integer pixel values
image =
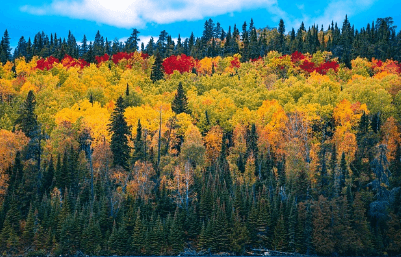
(290, 152)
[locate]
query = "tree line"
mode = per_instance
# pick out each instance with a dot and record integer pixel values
(378, 40)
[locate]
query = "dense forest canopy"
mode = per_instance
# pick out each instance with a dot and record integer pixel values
(224, 143)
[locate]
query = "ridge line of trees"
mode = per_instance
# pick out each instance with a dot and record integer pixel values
(377, 40)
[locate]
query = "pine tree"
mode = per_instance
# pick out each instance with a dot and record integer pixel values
(280, 240)
(138, 236)
(132, 42)
(120, 133)
(91, 237)
(5, 54)
(281, 36)
(239, 235)
(176, 237)
(48, 176)
(139, 145)
(28, 234)
(203, 239)
(180, 102)
(84, 46)
(27, 120)
(113, 241)
(157, 69)
(263, 222)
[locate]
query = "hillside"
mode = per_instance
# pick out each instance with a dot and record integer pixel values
(138, 154)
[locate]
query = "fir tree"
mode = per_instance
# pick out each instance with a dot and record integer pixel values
(132, 42)
(175, 237)
(5, 54)
(281, 36)
(138, 236)
(139, 144)
(27, 120)
(120, 132)
(157, 69)
(180, 102)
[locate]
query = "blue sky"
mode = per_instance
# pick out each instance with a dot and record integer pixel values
(116, 18)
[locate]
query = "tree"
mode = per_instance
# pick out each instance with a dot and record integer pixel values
(180, 102)
(138, 236)
(157, 69)
(281, 36)
(120, 133)
(176, 238)
(280, 240)
(98, 44)
(322, 236)
(139, 145)
(27, 120)
(84, 46)
(5, 54)
(132, 42)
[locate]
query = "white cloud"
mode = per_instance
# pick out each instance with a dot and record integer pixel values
(137, 13)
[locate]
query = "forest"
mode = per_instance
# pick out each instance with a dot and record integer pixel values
(219, 144)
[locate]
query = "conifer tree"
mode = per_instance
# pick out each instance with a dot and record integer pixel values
(28, 234)
(27, 120)
(113, 241)
(203, 239)
(180, 102)
(176, 237)
(5, 54)
(138, 236)
(132, 42)
(120, 133)
(280, 240)
(239, 235)
(281, 36)
(139, 145)
(157, 69)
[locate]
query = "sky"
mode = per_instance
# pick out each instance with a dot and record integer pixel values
(116, 18)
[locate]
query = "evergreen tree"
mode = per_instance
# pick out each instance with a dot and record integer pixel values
(139, 144)
(132, 42)
(98, 44)
(157, 69)
(28, 234)
(138, 237)
(84, 47)
(120, 132)
(239, 235)
(180, 102)
(21, 49)
(27, 120)
(281, 36)
(5, 54)
(176, 238)
(280, 240)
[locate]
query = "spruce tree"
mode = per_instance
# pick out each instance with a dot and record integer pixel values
(138, 236)
(279, 240)
(119, 138)
(5, 54)
(157, 69)
(139, 148)
(28, 234)
(180, 102)
(281, 36)
(176, 237)
(27, 120)
(132, 42)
